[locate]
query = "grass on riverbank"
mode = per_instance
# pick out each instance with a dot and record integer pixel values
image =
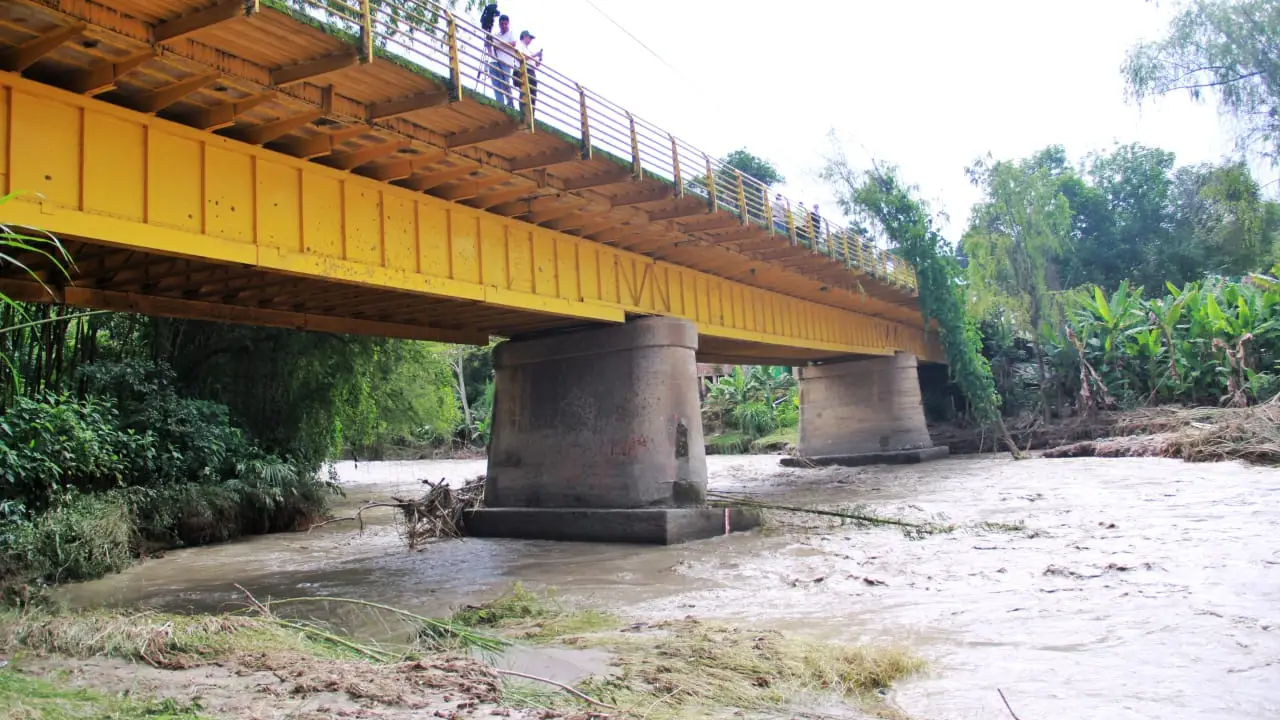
(688, 668)
(732, 442)
(533, 616)
(23, 697)
(679, 669)
(159, 639)
(693, 669)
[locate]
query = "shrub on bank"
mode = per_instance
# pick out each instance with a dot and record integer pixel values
(81, 495)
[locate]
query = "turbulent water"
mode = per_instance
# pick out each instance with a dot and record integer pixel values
(1133, 588)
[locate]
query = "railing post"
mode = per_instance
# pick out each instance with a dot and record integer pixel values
(586, 123)
(526, 97)
(768, 209)
(791, 222)
(808, 226)
(636, 170)
(712, 205)
(455, 63)
(844, 242)
(742, 200)
(366, 32)
(675, 166)
(862, 261)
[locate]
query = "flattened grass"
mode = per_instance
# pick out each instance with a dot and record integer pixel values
(537, 617)
(23, 697)
(692, 669)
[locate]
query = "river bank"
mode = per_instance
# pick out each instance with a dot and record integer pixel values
(1064, 583)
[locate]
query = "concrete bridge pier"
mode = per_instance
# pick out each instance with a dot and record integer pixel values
(597, 436)
(863, 412)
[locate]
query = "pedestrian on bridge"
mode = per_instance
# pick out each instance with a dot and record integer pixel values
(533, 59)
(502, 60)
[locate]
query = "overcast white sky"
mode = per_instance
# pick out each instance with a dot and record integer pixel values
(927, 84)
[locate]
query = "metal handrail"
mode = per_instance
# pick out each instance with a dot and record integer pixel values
(461, 54)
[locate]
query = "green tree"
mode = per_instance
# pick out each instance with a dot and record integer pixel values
(1137, 217)
(878, 199)
(1230, 48)
(1221, 224)
(1015, 237)
(755, 166)
(1136, 183)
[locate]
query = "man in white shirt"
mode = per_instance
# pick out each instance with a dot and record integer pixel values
(502, 59)
(533, 58)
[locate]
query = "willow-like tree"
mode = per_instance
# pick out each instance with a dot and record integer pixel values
(1226, 48)
(1015, 235)
(877, 200)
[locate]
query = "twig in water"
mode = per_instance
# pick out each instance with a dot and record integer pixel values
(567, 688)
(253, 601)
(358, 516)
(1006, 704)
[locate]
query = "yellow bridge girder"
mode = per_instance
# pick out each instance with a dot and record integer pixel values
(92, 172)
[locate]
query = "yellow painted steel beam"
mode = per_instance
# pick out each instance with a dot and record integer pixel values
(91, 170)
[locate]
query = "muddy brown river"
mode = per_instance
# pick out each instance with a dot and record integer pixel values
(1134, 589)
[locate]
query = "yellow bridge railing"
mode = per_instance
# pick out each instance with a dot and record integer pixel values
(460, 54)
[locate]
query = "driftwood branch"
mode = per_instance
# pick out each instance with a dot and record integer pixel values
(358, 516)
(438, 513)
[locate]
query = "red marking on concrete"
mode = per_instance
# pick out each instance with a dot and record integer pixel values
(629, 447)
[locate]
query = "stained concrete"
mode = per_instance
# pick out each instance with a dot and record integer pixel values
(653, 526)
(606, 419)
(863, 412)
(897, 457)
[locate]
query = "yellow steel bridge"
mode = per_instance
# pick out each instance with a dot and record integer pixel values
(335, 166)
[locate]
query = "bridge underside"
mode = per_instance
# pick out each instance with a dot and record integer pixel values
(204, 162)
(126, 280)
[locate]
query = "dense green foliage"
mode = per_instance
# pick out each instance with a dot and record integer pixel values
(1227, 48)
(1122, 221)
(1213, 342)
(120, 434)
(878, 198)
(1013, 238)
(1136, 216)
(180, 432)
(749, 404)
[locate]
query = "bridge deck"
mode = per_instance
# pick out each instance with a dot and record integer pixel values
(304, 83)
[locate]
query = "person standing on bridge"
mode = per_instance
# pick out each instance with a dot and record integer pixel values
(502, 58)
(533, 59)
(780, 215)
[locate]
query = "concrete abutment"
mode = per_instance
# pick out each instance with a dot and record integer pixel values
(597, 436)
(863, 412)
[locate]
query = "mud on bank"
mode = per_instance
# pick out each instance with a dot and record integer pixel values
(1201, 434)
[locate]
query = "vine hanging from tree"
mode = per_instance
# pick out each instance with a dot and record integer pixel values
(878, 196)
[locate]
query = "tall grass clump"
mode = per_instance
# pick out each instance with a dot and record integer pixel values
(693, 669)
